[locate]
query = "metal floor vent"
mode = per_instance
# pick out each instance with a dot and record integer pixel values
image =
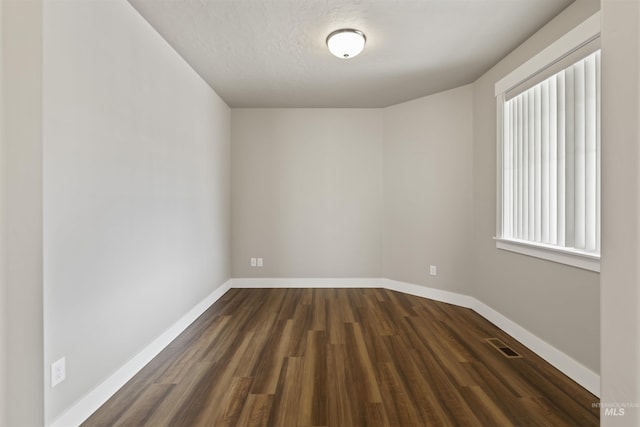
(504, 349)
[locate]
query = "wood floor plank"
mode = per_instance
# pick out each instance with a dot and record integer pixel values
(341, 397)
(178, 408)
(196, 351)
(313, 393)
(335, 321)
(302, 320)
(361, 364)
(112, 410)
(319, 312)
(286, 405)
(256, 411)
(139, 412)
(344, 358)
(399, 405)
(268, 368)
(484, 408)
(503, 396)
(233, 403)
(375, 315)
(431, 385)
(424, 397)
(376, 415)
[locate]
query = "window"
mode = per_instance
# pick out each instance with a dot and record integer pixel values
(549, 160)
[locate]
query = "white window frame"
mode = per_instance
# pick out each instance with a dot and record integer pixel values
(581, 34)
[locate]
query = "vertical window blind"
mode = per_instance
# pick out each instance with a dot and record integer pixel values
(551, 160)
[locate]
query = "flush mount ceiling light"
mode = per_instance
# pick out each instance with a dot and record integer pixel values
(346, 43)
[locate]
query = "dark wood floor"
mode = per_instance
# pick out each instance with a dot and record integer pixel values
(344, 358)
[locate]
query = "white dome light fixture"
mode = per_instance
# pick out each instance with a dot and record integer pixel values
(346, 43)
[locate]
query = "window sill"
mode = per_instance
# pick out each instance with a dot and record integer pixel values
(551, 253)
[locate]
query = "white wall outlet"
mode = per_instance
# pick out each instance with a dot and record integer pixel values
(433, 270)
(260, 262)
(253, 262)
(58, 372)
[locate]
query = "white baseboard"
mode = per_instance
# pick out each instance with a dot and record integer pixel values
(86, 406)
(561, 361)
(348, 282)
(430, 293)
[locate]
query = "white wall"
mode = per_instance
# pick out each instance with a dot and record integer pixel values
(3, 281)
(427, 190)
(558, 303)
(136, 190)
(21, 192)
(307, 192)
(355, 192)
(620, 287)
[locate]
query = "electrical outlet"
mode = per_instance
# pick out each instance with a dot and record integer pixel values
(58, 372)
(254, 262)
(433, 270)
(260, 262)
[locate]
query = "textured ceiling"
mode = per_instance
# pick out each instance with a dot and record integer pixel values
(272, 53)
